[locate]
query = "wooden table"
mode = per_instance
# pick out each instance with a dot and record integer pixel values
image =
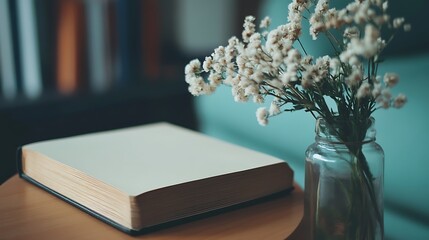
(27, 212)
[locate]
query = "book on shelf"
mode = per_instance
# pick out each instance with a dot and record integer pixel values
(142, 178)
(47, 19)
(69, 54)
(7, 59)
(151, 39)
(98, 42)
(29, 46)
(128, 42)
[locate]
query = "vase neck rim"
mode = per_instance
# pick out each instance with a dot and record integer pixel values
(345, 132)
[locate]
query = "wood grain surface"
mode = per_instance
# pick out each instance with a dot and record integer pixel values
(27, 212)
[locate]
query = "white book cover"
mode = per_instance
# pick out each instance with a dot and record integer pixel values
(140, 159)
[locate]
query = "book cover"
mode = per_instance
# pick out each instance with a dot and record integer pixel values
(166, 173)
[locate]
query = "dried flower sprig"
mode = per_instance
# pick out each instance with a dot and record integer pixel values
(268, 63)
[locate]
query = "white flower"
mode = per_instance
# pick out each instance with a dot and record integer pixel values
(290, 75)
(272, 63)
(399, 101)
(351, 32)
(249, 28)
(391, 79)
(207, 64)
(215, 79)
(364, 90)
(307, 80)
(386, 94)
(293, 56)
(398, 22)
(385, 5)
(376, 91)
(354, 78)
(274, 109)
(258, 99)
(335, 66)
(262, 116)
(265, 23)
(193, 67)
(198, 87)
(322, 6)
(407, 27)
(371, 34)
(238, 94)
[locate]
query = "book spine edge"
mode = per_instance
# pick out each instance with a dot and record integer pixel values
(19, 161)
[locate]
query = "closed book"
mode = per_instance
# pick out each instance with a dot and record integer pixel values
(142, 178)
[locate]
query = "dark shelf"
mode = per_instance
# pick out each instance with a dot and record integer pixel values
(54, 116)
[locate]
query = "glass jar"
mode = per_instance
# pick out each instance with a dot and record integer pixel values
(344, 184)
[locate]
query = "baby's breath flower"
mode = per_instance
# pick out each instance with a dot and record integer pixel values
(274, 109)
(238, 94)
(262, 116)
(399, 101)
(198, 87)
(398, 22)
(215, 79)
(376, 91)
(354, 78)
(251, 90)
(249, 28)
(207, 64)
(258, 99)
(407, 27)
(265, 23)
(351, 32)
(364, 90)
(391, 79)
(385, 5)
(272, 63)
(193, 67)
(386, 94)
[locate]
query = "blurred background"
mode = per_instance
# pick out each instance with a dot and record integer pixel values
(69, 67)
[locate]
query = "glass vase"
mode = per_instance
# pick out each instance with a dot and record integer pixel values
(344, 184)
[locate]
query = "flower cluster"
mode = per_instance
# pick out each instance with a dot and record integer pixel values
(275, 63)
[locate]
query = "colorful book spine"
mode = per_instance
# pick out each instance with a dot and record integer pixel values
(98, 45)
(30, 56)
(69, 46)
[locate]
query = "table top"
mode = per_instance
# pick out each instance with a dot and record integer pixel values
(28, 212)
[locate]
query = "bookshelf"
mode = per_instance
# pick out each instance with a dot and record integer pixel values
(71, 67)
